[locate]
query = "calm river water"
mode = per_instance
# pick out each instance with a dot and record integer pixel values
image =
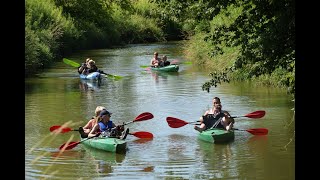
(58, 96)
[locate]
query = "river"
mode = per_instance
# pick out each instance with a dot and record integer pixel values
(58, 96)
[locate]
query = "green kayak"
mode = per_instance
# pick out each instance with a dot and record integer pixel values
(215, 135)
(169, 68)
(107, 144)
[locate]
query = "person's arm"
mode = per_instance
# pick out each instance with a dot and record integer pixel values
(229, 119)
(94, 130)
(88, 125)
(80, 69)
(113, 125)
(87, 128)
(84, 71)
(201, 118)
(228, 116)
(229, 127)
(95, 68)
(202, 126)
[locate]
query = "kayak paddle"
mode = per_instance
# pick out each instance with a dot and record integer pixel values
(75, 64)
(71, 63)
(71, 145)
(142, 117)
(139, 134)
(116, 77)
(256, 114)
(145, 66)
(177, 62)
(59, 129)
(142, 134)
(176, 123)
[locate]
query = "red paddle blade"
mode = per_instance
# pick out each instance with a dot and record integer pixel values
(142, 134)
(175, 122)
(69, 145)
(256, 114)
(58, 129)
(258, 131)
(144, 116)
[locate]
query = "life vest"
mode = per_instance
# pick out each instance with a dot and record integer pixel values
(213, 120)
(104, 127)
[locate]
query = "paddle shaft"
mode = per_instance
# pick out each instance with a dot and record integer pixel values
(255, 115)
(74, 144)
(239, 129)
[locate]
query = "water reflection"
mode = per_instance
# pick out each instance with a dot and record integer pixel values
(258, 145)
(142, 141)
(67, 154)
(177, 147)
(89, 85)
(217, 159)
(161, 76)
(220, 152)
(104, 161)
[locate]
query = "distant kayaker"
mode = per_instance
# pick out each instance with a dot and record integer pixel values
(91, 67)
(83, 66)
(215, 117)
(107, 128)
(155, 60)
(85, 130)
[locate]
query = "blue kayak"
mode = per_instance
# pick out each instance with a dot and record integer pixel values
(91, 76)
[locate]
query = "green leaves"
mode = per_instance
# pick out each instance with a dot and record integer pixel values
(217, 78)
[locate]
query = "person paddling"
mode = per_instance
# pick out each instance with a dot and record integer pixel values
(83, 66)
(106, 127)
(215, 118)
(85, 130)
(155, 60)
